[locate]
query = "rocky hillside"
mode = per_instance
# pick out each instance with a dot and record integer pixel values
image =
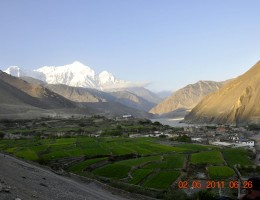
(79, 94)
(31, 94)
(187, 97)
(238, 102)
(132, 100)
(145, 94)
(88, 95)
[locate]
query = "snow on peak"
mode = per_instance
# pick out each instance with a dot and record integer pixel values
(77, 63)
(106, 77)
(75, 74)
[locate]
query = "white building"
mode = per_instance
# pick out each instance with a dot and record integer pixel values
(127, 116)
(249, 143)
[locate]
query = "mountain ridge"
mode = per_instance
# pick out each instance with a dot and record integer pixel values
(186, 97)
(75, 74)
(237, 102)
(21, 99)
(89, 95)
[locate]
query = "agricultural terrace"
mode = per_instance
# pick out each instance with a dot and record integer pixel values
(220, 172)
(207, 157)
(49, 149)
(237, 156)
(137, 162)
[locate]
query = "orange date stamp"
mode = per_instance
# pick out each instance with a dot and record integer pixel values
(210, 184)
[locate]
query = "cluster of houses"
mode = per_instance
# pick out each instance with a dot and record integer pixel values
(155, 134)
(221, 136)
(225, 136)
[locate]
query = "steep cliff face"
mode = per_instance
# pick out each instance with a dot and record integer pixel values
(238, 102)
(187, 97)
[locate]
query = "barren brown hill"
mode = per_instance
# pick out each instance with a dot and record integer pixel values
(187, 97)
(238, 102)
(132, 100)
(89, 95)
(34, 94)
(79, 94)
(145, 94)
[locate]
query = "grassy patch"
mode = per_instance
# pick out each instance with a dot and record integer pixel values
(26, 154)
(236, 156)
(220, 172)
(161, 180)
(169, 162)
(207, 157)
(139, 161)
(120, 169)
(116, 171)
(139, 174)
(78, 168)
(197, 147)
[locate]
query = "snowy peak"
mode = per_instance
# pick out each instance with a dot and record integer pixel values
(78, 64)
(75, 68)
(75, 74)
(106, 77)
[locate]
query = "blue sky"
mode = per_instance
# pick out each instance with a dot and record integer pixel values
(166, 42)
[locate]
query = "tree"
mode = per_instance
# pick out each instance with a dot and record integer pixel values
(157, 123)
(2, 135)
(184, 138)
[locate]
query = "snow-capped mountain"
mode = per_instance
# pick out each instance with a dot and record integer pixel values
(107, 81)
(75, 74)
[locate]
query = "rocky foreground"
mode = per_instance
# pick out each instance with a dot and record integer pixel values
(20, 180)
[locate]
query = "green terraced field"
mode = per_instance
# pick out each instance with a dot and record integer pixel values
(161, 179)
(139, 161)
(197, 147)
(173, 161)
(79, 167)
(139, 174)
(123, 167)
(220, 172)
(236, 156)
(79, 146)
(116, 171)
(156, 166)
(207, 157)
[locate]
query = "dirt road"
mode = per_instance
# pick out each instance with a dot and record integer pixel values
(21, 180)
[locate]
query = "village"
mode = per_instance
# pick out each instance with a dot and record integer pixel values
(219, 135)
(224, 136)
